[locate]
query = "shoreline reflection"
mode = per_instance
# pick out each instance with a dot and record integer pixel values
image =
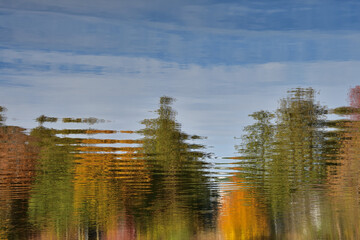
(295, 177)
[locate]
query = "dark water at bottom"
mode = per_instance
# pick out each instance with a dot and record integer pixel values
(296, 176)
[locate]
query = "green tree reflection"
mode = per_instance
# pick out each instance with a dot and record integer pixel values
(180, 194)
(299, 141)
(51, 202)
(257, 145)
(287, 155)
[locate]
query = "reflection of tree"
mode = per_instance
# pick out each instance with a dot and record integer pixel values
(106, 180)
(50, 206)
(288, 155)
(344, 180)
(257, 144)
(259, 137)
(91, 120)
(298, 143)
(164, 140)
(93, 187)
(16, 176)
(81, 185)
(2, 116)
(334, 215)
(241, 215)
(179, 191)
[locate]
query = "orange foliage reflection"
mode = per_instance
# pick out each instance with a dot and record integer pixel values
(241, 215)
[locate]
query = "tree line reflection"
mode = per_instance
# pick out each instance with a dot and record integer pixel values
(296, 177)
(297, 160)
(78, 186)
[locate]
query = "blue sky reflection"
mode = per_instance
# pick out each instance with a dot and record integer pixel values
(222, 60)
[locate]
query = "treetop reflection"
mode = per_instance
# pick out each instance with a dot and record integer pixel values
(86, 187)
(290, 154)
(296, 178)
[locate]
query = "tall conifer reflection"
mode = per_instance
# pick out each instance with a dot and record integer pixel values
(180, 199)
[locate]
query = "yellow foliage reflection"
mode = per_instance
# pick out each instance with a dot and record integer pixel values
(97, 170)
(241, 215)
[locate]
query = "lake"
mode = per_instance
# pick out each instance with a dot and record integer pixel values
(179, 119)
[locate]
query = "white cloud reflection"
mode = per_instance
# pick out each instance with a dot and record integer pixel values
(213, 101)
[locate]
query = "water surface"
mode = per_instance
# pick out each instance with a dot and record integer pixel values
(179, 119)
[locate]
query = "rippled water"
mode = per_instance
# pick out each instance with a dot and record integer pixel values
(179, 119)
(295, 176)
